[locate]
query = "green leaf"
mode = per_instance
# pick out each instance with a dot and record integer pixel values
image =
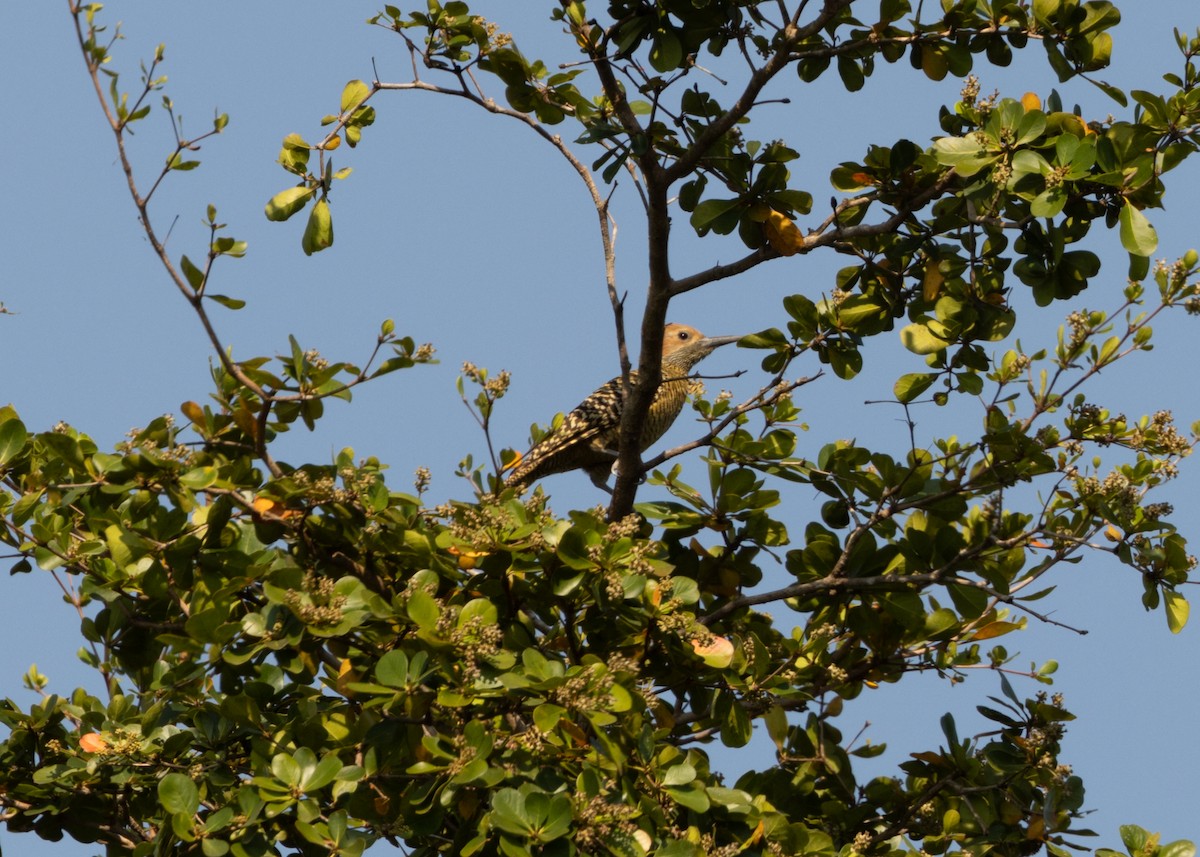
(229, 247)
(908, 387)
(478, 610)
(423, 609)
(178, 794)
(392, 669)
(194, 275)
(1115, 93)
(851, 73)
(1177, 610)
(719, 215)
(227, 302)
(175, 162)
(12, 439)
(667, 51)
(509, 815)
(354, 94)
(965, 154)
(1049, 203)
(321, 775)
(1137, 234)
(918, 339)
(1178, 848)
(199, 478)
(679, 775)
(318, 234)
(845, 361)
(694, 798)
(1134, 837)
(287, 202)
(940, 623)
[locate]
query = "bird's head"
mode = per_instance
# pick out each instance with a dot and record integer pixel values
(686, 345)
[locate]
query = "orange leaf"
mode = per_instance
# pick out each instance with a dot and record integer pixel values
(717, 654)
(93, 742)
(467, 559)
(1031, 101)
(574, 732)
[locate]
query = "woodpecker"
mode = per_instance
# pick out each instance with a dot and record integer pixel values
(588, 436)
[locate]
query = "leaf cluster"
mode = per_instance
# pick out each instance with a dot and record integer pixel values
(305, 659)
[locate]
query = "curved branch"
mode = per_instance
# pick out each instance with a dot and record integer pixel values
(768, 394)
(599, 202)
(142, 203)
(792, 33)
(827, 234)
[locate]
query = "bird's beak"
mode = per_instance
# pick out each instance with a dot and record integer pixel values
(718, 341)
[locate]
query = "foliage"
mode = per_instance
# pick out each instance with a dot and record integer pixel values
(306, 659)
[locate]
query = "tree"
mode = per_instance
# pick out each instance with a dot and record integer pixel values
(304, 659)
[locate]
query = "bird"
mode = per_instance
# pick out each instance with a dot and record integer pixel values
(588, 437)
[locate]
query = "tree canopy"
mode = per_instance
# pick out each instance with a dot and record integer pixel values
(306, 659)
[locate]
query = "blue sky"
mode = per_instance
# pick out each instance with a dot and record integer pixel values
(474, 235)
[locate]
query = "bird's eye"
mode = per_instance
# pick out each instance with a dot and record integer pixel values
(684, 335)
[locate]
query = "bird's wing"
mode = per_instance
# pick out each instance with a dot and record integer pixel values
(589, 420)
(586, 425)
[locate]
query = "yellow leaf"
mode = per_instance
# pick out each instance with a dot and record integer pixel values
(1030, 101)
(1037, 827)
(467, 559)
(193, 412)
(783, 235)
(934, 63)
(995, 629)
(1072, 123)
(345, 676)
(932, 284)
(246, 420)
(757, 835)
(332, 143)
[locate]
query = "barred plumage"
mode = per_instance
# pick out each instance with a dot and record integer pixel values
(587, 438)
